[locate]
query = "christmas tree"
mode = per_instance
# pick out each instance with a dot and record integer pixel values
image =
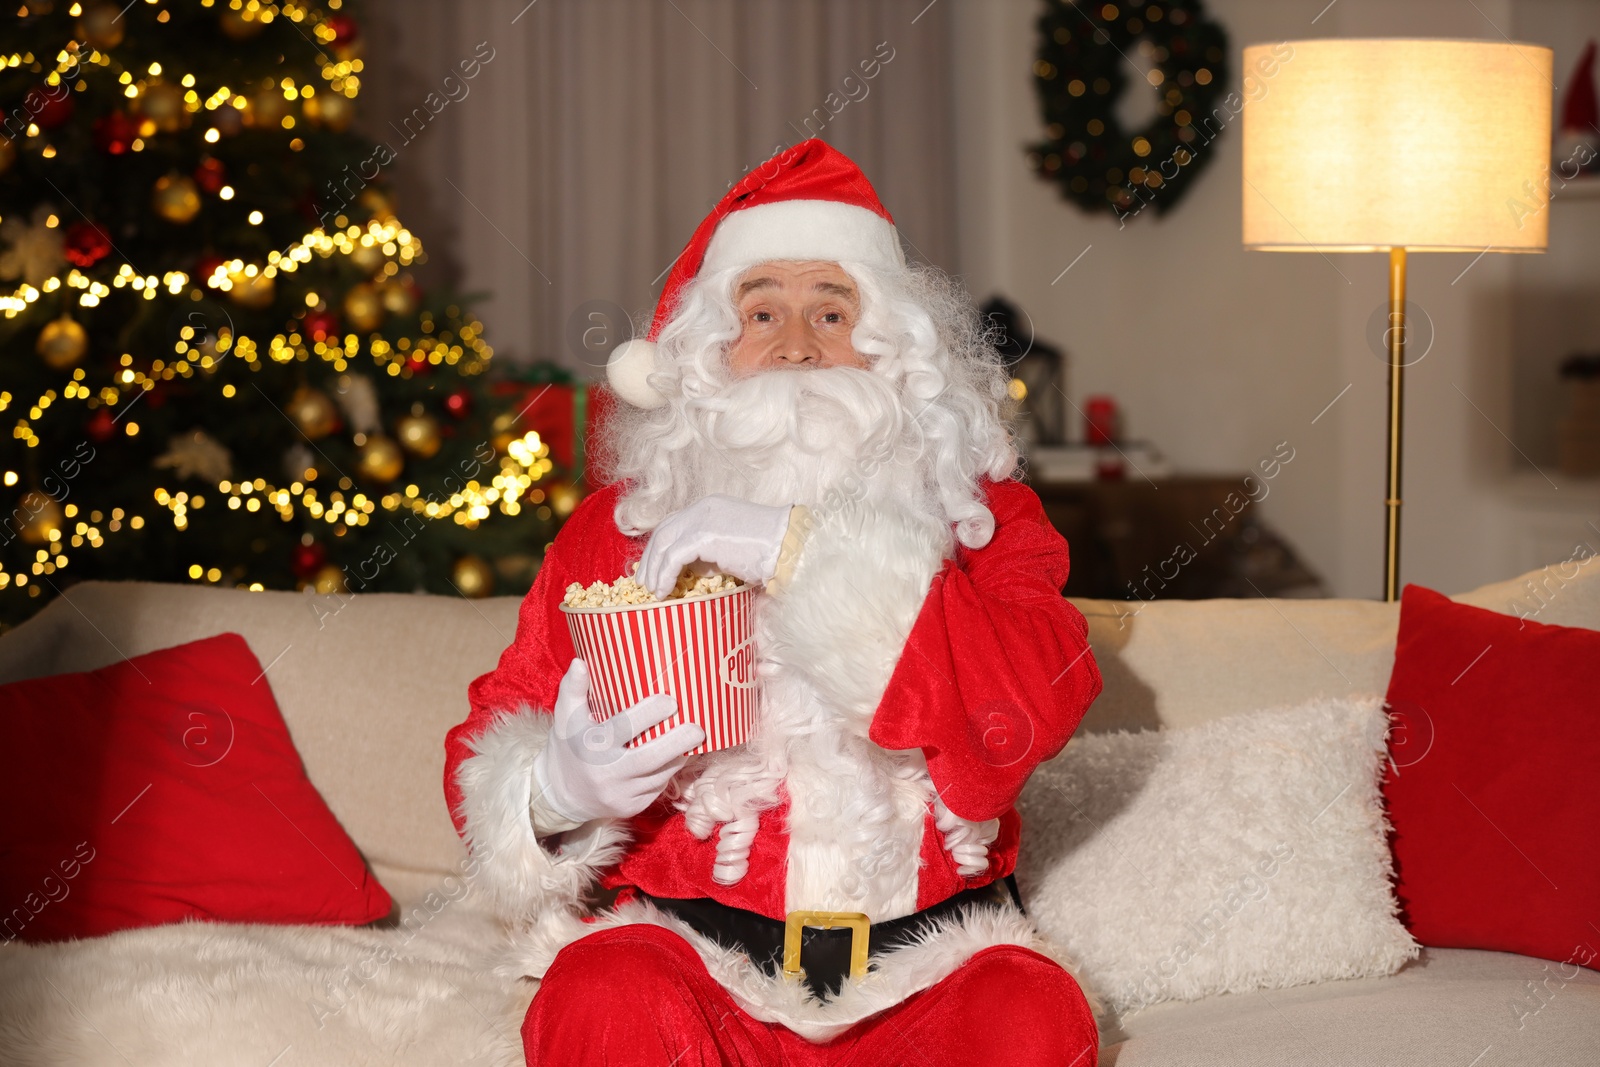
(216, 363)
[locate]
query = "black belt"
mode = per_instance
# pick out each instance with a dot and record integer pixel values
(824, 952)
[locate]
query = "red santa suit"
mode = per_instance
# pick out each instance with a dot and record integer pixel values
(915, 689)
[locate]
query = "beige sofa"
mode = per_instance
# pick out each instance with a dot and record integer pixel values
(369, 685)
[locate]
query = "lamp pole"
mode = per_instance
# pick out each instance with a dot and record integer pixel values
(1397, 363)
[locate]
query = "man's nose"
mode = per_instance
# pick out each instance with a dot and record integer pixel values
(797, 343)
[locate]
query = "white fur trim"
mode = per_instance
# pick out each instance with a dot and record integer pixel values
(628, 372)
(857, 818)
(524, 880)
(804, 229)
(893, 976)
(843, 620)
(829, 644)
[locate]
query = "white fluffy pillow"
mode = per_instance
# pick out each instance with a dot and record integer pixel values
(1246, 853)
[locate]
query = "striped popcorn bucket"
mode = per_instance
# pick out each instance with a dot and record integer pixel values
(699, 649)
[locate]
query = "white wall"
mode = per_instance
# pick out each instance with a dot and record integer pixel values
(1216, 354)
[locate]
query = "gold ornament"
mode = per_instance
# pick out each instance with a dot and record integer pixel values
(369, 258)
(254, 291)
(473, 576)
(399, 299)
(329, 579)
(162, 104)
(363, 307)
(503, 431)
(563, 498)
(378, 201)
(419, 435)
(518, 568)
(101, 26)
(331, 109)
(62, 343)
(175, 198)
(381, 459)
(45, 517)
(313, 412)
(267, 109)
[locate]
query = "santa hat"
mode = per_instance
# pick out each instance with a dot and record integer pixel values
(808, 202)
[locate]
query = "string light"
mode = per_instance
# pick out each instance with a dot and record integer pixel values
(398, 245)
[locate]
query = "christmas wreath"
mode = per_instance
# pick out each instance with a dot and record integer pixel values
(1081, 72)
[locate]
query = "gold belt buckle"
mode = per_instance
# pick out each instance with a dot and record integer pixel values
(795, 921)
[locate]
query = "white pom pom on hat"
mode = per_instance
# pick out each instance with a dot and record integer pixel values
(808, 202)
(627, 370)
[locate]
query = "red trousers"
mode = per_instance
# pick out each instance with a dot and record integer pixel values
(639, 996)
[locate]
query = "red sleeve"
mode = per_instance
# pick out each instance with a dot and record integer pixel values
(588, 548)
(997, 672)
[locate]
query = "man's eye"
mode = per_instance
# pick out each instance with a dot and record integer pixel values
(832, 316)
(761, 316)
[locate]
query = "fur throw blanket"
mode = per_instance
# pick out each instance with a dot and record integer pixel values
(253, 996)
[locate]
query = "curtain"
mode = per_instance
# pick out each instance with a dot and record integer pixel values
(557, 154)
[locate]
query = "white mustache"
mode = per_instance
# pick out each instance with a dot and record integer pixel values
(833, 410)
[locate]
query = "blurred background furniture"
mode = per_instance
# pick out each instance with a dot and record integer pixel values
(1128, 538)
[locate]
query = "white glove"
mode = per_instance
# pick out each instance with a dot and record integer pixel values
(738, 537)
(584, 772)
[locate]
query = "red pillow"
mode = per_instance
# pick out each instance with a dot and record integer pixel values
(1491, 783)
(161, 788)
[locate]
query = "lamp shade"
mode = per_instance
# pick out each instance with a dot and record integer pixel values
(1365, 145)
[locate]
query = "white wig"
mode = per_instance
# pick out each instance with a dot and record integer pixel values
(934, 387)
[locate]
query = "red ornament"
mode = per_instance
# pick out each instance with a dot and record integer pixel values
(319, 325)
(211, 175)
(85, 244)
(344, 28)
(50, 106)
(458, 404)
(101, 426)
(115, 133)
(418, 363)
(306, 560)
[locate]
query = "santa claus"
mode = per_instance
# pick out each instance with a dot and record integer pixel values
(814, 416)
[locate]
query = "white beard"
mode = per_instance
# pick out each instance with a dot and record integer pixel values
(833, 440)
(800, 436)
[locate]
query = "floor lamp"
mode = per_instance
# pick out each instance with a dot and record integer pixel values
(1396, 146)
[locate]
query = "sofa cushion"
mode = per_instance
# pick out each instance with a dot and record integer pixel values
(1244, 853)
(161, 788)
(1495, 824)
(1182, 662)
(1448, 1008)
(368, 686)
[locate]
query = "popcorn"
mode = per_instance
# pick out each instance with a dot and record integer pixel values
(627, 592)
